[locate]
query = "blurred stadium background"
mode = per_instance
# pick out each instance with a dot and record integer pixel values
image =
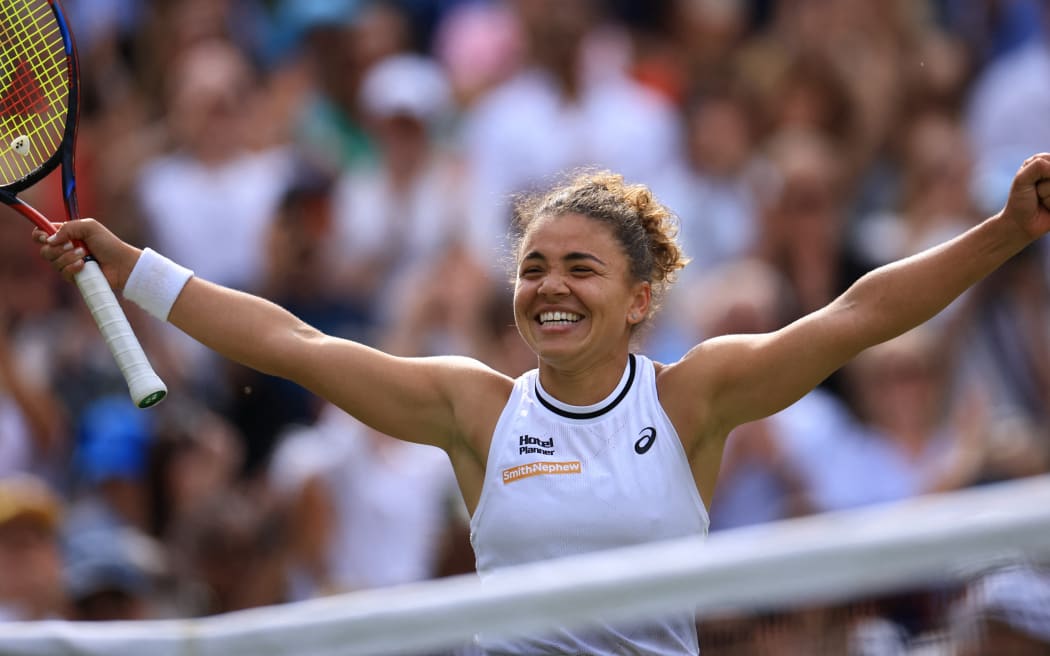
(801, 142)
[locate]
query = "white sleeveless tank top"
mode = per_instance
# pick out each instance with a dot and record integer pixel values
(563, 480)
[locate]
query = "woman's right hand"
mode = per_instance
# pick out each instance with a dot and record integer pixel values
(65, 250)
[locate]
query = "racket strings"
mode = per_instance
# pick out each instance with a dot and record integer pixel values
(34, 86)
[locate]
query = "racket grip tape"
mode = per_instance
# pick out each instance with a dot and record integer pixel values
(145, 386)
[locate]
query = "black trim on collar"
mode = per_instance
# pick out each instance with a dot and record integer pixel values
(593, 413)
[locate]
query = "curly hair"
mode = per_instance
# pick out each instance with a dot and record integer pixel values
(645, 228)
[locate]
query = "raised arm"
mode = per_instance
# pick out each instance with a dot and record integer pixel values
(426, 400)
(729, 380)
(416, 399)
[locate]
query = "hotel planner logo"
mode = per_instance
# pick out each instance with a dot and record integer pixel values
(529, 444)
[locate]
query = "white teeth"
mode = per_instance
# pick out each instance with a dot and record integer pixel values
(570, 317)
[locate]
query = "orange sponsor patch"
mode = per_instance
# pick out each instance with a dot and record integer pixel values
(541, 469)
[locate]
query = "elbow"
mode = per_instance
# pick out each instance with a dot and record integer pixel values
(286, 353)
(862, 321)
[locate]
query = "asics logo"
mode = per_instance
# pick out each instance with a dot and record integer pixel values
(645, 442)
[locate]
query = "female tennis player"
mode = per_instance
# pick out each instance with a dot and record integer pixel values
(598, 447)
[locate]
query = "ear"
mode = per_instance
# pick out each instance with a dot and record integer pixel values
(641, 299)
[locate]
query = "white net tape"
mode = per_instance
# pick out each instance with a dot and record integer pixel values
(817, 559)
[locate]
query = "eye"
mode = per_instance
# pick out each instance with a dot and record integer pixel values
(530, 272)
(581, 270)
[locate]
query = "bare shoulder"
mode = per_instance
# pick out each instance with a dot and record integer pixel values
(688, 387)
(478, 391)
(695, 368)
(468, 381)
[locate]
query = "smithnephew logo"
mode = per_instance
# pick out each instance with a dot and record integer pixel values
(541, 469)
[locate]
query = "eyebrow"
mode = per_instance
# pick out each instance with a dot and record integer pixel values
(569, 257)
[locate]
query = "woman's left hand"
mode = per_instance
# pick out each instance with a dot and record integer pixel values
(1029, 201)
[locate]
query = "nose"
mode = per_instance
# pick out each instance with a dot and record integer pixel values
(553, 284)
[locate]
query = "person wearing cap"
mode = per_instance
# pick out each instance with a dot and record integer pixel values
(112, 575)
(1004, 611)
(394, 219)
(110, 461)
(30, 558)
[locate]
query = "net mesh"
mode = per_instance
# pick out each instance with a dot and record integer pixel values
(960, 573)
(34, 87)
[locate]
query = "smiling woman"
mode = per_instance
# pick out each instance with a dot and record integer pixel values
(644, 229)
(598, 447)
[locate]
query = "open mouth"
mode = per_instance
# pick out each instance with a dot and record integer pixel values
(558, 318)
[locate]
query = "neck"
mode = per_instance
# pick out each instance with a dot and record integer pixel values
(584, 385)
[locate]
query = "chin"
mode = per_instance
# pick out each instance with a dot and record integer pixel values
(554, 353)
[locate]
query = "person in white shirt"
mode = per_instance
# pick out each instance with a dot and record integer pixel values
(571, 104)
(388, 505)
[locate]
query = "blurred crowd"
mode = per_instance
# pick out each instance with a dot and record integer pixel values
(354, 161)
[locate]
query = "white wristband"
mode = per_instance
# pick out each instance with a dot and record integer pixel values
(155, 283)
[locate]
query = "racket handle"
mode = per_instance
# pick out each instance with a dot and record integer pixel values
(144, 384)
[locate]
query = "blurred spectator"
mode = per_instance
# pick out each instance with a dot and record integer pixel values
(328, 125)
(757, 480)
(571, 106)
(941, 80)
(1004, 114)
(760, 478)
(113, 439)
(203, 202)
(480, 46)
(32, 426)
(911, 439)
(991, 29)
(714, 194)
(298, 276)
(113, 575)
(440, 306)
(385, 28)
(231, 554)
(1005, 352)
(685, 44)
(339, 40)
(497, 341)
(855, 66)
(1005, 611)
(30, 556)
(934, 202)
(394, 218)
(210, 84)
(193, 461)
(368, 510)
(453, 305)
(810, 95)
(804, 218)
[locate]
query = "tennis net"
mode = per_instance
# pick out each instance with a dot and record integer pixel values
(939, 574)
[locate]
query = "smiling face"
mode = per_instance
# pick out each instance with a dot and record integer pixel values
(575, 302)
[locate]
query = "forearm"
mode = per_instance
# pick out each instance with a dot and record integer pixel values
(241, 327)
(902, 295)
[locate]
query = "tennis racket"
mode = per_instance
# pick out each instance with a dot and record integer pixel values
(39, 98)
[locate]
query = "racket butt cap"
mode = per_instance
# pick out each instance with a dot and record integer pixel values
(151, 399)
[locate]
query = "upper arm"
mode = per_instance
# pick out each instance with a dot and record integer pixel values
(453, 403)
(429, 400)
(733, 379)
